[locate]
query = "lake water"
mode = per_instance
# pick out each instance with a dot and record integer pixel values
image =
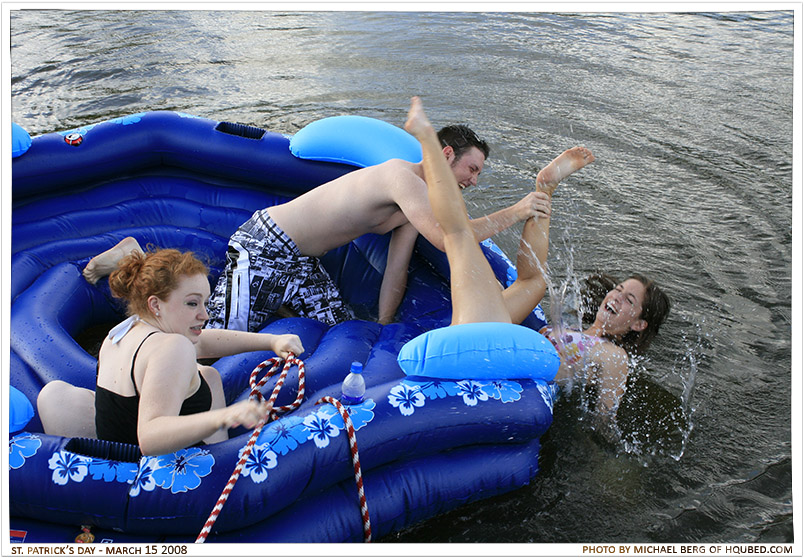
(690, 116)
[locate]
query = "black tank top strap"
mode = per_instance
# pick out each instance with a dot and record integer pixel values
(134, 360)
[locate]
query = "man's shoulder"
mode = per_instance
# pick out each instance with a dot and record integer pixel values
(396, 166)
(399, 172)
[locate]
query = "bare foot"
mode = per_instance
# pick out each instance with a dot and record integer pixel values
(106, 262)
(417, 123)
(561, 167)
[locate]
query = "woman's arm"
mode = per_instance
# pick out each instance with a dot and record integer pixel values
(216, 343)
(170, 370)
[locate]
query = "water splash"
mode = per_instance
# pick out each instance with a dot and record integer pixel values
(660, 423)
(650, 420)
(691, 359)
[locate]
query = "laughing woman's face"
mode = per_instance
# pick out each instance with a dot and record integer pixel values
(620, 311)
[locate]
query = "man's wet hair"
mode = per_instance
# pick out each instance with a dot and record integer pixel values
(461, 138)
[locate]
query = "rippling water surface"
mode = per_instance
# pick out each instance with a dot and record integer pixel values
(690, 116)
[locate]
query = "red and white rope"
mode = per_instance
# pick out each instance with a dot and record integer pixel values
(270, 415)
(350, 430)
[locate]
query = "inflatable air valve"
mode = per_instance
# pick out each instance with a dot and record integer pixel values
(74, 139)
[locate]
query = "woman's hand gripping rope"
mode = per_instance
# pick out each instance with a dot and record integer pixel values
(271, 414)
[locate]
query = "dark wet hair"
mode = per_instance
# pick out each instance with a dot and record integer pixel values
(594, 289)
(461, 138)
(655, 308)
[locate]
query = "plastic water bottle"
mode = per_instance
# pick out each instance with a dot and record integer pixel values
(354, 386)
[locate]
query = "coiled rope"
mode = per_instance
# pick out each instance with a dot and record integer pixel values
(273, 414)
(270, 415)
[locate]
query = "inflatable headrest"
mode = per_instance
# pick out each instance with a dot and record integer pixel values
(480, 351)
(354, 140)
(20, 140)
(20, 410)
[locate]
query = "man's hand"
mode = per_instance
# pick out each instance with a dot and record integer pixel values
(534, 204)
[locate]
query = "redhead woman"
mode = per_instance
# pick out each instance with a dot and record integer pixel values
(626, 321)
(150, 389)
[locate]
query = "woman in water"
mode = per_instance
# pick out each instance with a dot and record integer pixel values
(625, 322)
(628, 318)
(150, 388)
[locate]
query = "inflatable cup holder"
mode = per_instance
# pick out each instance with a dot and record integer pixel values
(242, 130)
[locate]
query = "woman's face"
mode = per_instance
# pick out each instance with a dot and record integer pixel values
(620, 311)
(184, 312)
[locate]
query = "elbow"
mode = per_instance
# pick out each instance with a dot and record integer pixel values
(148, 448)
(152, 444)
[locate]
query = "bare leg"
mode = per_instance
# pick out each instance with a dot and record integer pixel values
(106, 262)
(475, 291)
(67, 410)
(528, 290)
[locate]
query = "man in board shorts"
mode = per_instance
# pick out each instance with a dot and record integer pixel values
(272, 259)
(265, 270)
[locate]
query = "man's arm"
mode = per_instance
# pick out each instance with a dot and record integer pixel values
(410, 194)
(395, 278)
(533, 204)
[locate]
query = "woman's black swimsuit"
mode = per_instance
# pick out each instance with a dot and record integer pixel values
(116, 415)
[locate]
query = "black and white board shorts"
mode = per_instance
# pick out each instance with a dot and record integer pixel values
(265, 269)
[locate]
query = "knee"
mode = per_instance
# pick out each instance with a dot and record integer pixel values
(540, 286)
(52, 392)
(536, 286)
(66, 410)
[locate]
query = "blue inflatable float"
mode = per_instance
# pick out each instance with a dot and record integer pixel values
(427, 444)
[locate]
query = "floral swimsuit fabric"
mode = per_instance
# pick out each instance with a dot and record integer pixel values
(573, 344)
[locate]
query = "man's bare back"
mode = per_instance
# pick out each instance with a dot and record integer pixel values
(376, 200)
(390, 197)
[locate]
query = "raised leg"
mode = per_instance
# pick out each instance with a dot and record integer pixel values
(475, 291)
(529, 288)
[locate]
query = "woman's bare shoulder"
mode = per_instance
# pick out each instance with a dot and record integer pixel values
(608, 353)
